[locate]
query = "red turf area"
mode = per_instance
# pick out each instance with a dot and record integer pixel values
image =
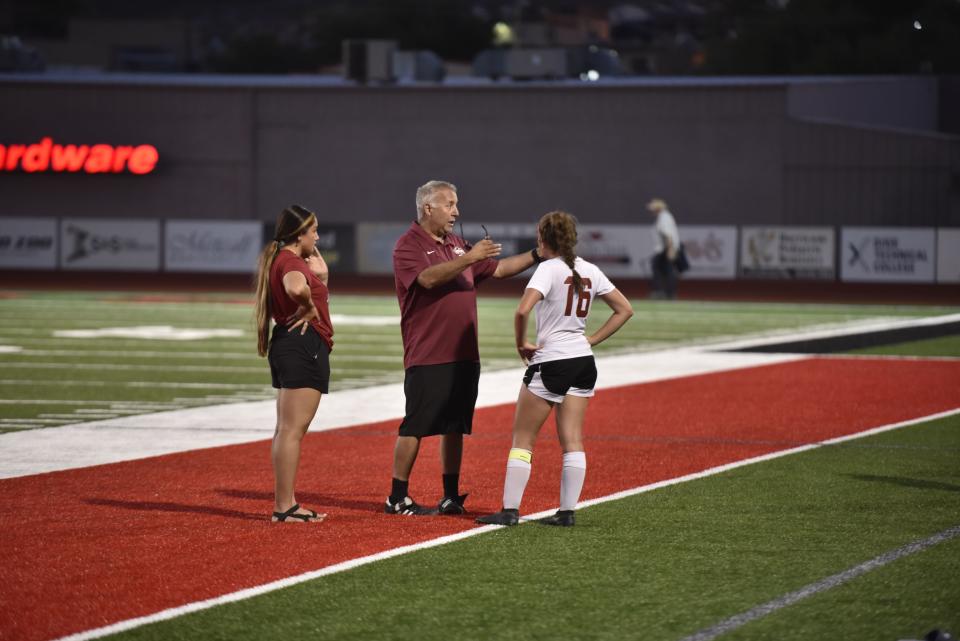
(90, 547)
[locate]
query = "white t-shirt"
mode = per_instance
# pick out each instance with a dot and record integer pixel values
(562, 315)
(665, 226)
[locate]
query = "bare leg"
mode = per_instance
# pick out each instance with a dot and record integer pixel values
(531, 413)
(451, 453)
(404, 455)
(570, 415)
(295, 409)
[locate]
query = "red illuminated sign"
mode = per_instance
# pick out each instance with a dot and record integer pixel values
(89, 159)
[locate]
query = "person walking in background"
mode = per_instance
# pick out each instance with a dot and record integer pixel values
(436, 274)
(292, 289)
(666, 246)
(562, 372)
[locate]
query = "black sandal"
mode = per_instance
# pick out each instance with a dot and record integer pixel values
(292, 514)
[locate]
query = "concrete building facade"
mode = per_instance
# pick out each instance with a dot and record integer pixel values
(855, 151)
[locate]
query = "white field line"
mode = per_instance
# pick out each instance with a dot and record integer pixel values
(41, 401)
(73, 417)
(173, 385)
(345, 319)
(111, 410)
(261, 370)
(141, 408)
(135, 437)
(84, 336)
(891, 357)
(150, 332)
(760, 611)
(139, 368)
(188, 355)
(248, 593)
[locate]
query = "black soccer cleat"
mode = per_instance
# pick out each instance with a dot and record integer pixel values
(452, 505)
(503, 517)
(407, 507)
(563, 518)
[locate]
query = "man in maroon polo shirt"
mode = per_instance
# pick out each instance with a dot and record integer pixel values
(436, 275)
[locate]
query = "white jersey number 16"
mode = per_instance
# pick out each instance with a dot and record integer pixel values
(583, 304)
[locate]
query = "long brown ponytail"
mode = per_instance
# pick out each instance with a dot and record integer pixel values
(293, 221)
(558, 229)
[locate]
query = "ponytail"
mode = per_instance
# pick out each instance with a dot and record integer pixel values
(261, 312)
(292, 222)
(570, 259)
(558, 230)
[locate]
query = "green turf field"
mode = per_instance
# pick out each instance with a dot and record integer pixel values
(665, 564)
(104, 377)
(943, 346)
(659, 565)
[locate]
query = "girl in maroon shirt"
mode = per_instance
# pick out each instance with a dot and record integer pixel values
(292, 290)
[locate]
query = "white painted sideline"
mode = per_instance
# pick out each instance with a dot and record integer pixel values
(29, 452)
(241, 595)
(79, 445)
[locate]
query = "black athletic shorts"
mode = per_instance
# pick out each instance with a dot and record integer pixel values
(553, 380)
(440, 398)
(299, 360)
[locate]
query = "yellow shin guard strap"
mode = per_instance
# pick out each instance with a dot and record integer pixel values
(521, 455)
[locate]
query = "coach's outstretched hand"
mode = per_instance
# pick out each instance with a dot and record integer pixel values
(483, 250)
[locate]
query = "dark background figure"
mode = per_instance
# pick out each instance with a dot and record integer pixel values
(666, 244)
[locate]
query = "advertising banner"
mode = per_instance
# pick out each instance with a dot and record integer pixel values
(28, 243)
(711, 251)
(888, 254)
(788, 252)
(948, 255)
(212, 246)
(515, 237)
(338, 245)
(619, 250)
(375, 243)
(110, 244)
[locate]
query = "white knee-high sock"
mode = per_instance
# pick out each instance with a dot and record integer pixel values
(571, 480)
(518, 473)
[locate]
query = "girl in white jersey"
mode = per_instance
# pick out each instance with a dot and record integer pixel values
(561, 371)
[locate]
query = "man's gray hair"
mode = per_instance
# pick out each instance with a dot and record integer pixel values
(426, 191)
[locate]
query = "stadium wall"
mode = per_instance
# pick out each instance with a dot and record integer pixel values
(720, 151)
